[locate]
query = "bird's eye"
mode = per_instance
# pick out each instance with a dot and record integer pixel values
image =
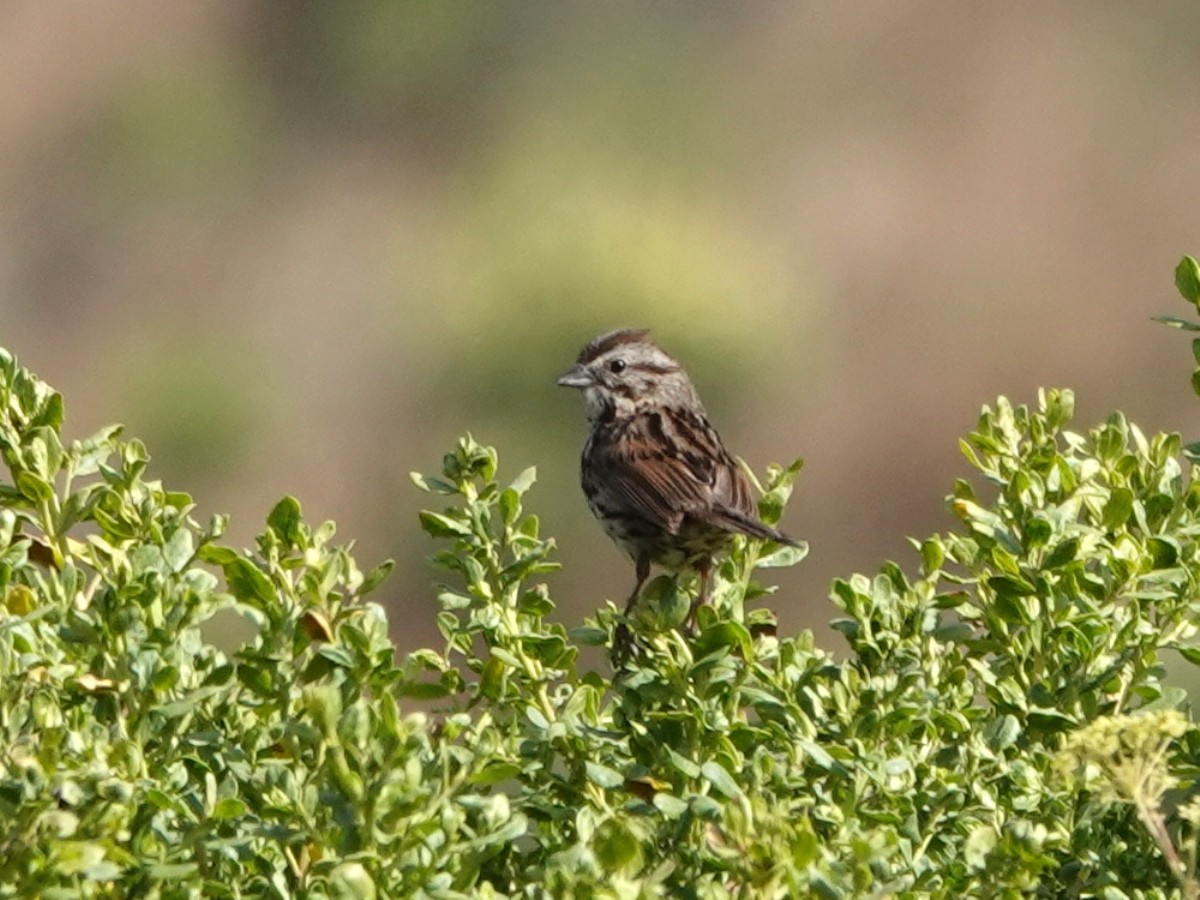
(616, 366)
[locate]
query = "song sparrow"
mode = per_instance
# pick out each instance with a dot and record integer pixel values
(654, 469)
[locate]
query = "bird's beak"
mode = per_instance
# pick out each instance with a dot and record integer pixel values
(575, 378)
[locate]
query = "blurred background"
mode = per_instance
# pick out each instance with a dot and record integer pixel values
(300, 248)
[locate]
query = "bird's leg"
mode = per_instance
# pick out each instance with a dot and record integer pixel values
(704, 567)
(643, 572)
(623, 637)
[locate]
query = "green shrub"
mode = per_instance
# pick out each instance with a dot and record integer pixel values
(999, 727)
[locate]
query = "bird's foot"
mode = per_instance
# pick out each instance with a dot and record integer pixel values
(622, 645)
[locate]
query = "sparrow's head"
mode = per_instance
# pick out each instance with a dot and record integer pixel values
(623, 372)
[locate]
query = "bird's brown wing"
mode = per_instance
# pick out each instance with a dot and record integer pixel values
(665, 466)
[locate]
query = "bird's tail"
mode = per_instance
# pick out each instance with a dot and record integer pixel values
(735, 520)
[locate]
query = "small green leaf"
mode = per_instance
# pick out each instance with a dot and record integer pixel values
(441, 526)
(229, 808)
(165, 679)
(1010, 609)
(1038, 532)
(725, 634)
(1060, 408)
(685, 766)
(933, 555)
(432, 485)
(217, 554)
(1047, 716)
(589, 635)
(1187, 280)
(806, 848)
(510, 505)
(662, 605)
(1191, 654)
(616, 848)
(452, 601)
(979, 844)
(44, 453)
(669, 805)
(324, 705)
(784, 556)
(604, 776)
(178, 550)
(1177, 322)
(1003, 732)
(718, 776)
(1062, 554)
(19, 600)
(1011, 586)
(1117, 510)
(1164, 550)
(535, 602)
(248, 582)
(376, 576)
(285, 520)
(351, 881)
(496, 773)
(524, 481)
(51, 413)
(491, 680)
(33, 487)
(536, 718)
(339, 656)
(817, 755)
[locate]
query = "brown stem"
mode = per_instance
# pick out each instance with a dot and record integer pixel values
(1153, 819)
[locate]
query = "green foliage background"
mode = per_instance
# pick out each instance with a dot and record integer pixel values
(1000, 727)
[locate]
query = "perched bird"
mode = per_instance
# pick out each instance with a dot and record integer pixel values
(654, 470)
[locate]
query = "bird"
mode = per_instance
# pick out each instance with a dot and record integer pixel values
(654, 470)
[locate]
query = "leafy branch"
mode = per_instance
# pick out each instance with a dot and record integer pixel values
(998, 724)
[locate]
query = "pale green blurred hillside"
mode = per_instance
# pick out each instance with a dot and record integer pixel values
(299, 248)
